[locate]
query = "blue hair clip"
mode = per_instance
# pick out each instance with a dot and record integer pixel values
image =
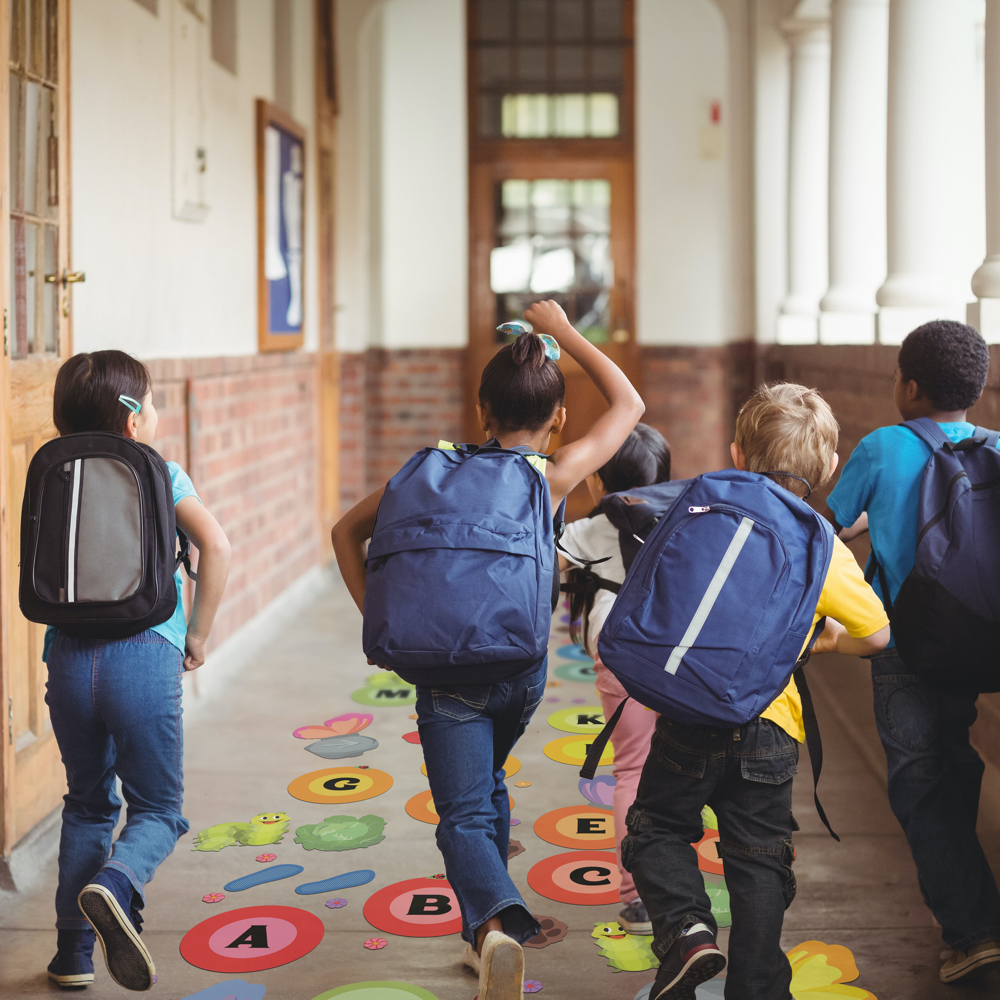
(130, 403)
(514, 328)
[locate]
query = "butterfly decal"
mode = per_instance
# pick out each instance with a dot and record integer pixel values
(342, 725)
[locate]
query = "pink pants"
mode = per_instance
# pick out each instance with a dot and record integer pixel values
(630, 742)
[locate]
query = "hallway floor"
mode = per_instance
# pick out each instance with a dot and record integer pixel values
(241, 755)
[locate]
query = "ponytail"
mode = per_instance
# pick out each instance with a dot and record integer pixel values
(521, 388)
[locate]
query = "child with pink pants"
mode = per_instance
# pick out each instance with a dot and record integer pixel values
(644, 459)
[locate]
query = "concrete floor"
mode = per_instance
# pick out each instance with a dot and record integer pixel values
(861, 893)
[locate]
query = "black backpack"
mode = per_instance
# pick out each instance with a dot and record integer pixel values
(99, 538)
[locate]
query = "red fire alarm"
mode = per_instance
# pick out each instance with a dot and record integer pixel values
(716, 112)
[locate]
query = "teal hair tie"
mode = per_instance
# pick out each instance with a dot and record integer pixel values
(514, 328)
(134, 406)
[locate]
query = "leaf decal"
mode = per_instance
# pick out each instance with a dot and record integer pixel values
(820, 971)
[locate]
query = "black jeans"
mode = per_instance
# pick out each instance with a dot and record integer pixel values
(745, 775)
(935, 777)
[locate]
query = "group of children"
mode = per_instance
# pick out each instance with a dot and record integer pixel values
(115, 704)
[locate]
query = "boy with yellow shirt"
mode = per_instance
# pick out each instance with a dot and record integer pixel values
(744, 774)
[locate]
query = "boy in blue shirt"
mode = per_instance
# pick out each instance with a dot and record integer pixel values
(935, 774)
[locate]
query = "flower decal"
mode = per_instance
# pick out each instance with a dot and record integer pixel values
(263, 858)
(515, 822)
(376, 944)
(522, 784)
(819, 972)
(335, 904)
(532, 985)
(213, 897)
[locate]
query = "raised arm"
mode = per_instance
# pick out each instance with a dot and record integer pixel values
(349, 536)
(572, 463)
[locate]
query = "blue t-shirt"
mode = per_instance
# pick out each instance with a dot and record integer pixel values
(175, 627)
(883, 476)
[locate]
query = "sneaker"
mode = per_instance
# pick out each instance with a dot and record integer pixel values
(634, 919)
(73, 966)
(471, 959)
(107, 903)
(693, 958)
(502, 973)
(970, 964)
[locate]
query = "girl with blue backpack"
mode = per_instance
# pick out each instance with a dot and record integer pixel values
(456, 588)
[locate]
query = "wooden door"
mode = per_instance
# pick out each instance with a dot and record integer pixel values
(36, 297)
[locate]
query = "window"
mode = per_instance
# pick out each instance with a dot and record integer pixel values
(548, 68)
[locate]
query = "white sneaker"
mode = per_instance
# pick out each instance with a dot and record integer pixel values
(502, 973)
(471, 959)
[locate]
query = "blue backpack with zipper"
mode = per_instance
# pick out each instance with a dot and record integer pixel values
(461, 566)
(946, 616)
(719, 602)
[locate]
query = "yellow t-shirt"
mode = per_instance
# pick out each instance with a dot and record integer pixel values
(848, 599)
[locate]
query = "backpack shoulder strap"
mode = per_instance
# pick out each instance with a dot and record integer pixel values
(813, 741)
(596, 749)
(991, 436)
(929, 431)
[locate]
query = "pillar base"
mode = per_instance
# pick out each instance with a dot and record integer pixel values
(895, 322)
(797, 329)
(846, 328)
(984, 315)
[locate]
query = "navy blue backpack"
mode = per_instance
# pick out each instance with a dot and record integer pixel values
(946, 617)
(461, 566)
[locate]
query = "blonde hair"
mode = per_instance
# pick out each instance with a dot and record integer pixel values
(785, 427)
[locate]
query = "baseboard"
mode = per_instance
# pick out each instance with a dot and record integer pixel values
(31, 855)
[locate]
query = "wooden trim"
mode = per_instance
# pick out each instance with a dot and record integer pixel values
(65, 302)
(270, 114)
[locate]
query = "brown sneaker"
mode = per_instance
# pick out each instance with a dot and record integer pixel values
(972, 963)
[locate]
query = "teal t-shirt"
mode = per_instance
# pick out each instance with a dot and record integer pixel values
(882, 476)
(174, 628)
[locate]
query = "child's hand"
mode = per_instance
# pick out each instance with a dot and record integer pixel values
(194, 648)
(826, 641)
(548, 317)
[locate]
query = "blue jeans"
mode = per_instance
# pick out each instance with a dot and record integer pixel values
(935, 776)
(745, 775)
(116, 711)
(466, 733)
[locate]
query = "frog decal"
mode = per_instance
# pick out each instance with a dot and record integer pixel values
(264, 828)
(624, 952)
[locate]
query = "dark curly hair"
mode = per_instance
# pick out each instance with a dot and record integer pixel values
(521, 388)
(949, 362)
(643, 459)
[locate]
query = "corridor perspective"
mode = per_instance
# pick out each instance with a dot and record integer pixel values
(309, 220)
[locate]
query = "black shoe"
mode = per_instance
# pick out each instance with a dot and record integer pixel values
(107, 903)
(73, 966)
(693, 958)
(634, 919)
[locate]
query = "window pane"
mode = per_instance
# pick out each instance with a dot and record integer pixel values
(51, 292)
(531, 65)
(52, 41)
(35, 135)
(37, 29)
(18, 324)
(606, 20)
(606, 67)
(16, 151)
(569, 20)
(570, 115)
(31, 282)
(17, 31)
(494, 66)
(532, 20)
(570, 67)
(494, 20)
(603, 115)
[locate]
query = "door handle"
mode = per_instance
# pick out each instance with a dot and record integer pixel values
(68, 278)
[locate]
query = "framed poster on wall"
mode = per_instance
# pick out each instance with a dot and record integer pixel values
(281, 162)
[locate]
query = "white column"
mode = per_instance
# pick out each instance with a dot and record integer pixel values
(986, 281)
(931, 68)
(859, 62)
(808, 132)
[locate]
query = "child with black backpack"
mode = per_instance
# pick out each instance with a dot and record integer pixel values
(115, 703)
(457, 597)
(592, 544)
(718, 607)
(929, 493)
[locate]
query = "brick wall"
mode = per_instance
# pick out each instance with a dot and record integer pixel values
(692, 395)
(392, 404)
(245, 430)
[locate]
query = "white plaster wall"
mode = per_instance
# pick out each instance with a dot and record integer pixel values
(158, 286)
(683, 201)
(402, 220)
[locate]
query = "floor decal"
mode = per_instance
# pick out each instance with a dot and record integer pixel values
(574, 651)
(586, 719)
(587, 878)
(413, 737)
(514, 848)
(581, 671)
(599, 790)
(264, 828)
(342, 725)
(338, 747)
(715, 886)
(522, 784)
(264, 858)
(377, 990)
(349, 880)
(510, 767)
(579, 827)
(334, 785)
(532, 986)
(252, 939)
(231, 989)
(714, 989)
(385, 689)
(418, 907)
(376, 944)
(573, 750)
(213, 897)
(421, 807)
(624, 952)
(552, 932)
(261, 876)
(708, 853)
(335, 904)
(341, 833)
